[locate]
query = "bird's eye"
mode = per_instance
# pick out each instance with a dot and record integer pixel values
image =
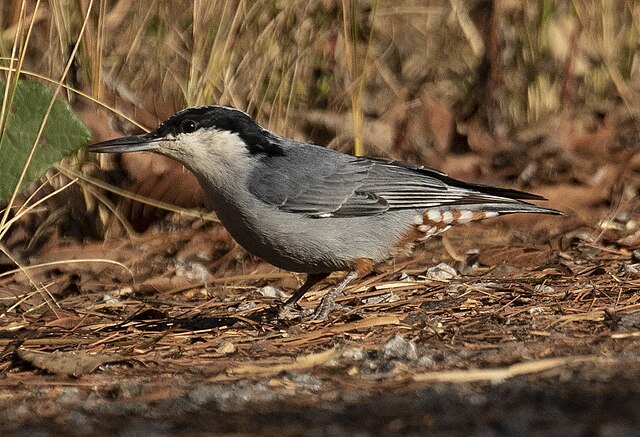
(188, 126)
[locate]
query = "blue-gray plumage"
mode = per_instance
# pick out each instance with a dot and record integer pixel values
(310, 209)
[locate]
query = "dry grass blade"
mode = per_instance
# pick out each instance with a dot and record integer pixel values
(47, 112)
(65, 262)
(504, 373)
(11, 84)
(26, 207)
(38, 288)
(138, 198)
(8, 90)
(73, 90)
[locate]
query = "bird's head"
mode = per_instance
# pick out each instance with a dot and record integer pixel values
(203, 138)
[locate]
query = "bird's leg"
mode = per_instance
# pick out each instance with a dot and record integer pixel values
(312, 279)
(328, 302)
(284, 310)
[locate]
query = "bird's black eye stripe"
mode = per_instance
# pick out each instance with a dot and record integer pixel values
(188, 126)
(257, 140)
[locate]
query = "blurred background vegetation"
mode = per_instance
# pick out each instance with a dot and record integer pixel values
(527, 91)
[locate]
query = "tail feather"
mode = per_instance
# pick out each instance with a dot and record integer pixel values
(501, 208)
(519, 207)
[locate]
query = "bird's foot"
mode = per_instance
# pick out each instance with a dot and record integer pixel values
(326, 306)
(328, 302)
(289, 312)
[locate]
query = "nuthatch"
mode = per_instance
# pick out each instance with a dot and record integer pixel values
(310, 209)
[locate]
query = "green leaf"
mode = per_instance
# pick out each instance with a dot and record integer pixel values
(63, 134)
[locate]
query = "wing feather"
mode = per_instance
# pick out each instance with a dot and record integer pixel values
(322, 183)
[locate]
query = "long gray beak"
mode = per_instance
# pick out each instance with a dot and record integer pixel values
(134, 143)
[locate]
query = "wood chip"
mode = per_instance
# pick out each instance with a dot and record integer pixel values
(301, 363)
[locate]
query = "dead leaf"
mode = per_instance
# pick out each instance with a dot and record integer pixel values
(226, 348)
(163, 284)
(67, 363)
(440, 121)
(594, 144)
(631, 241)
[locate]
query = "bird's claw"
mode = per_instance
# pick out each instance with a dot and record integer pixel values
(288, 312)
(291, 312)
(326, 306)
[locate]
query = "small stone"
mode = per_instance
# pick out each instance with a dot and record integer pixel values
(374, 300)
(399, 347)
(392, 297)
(456, 289)
(307, 381)
(628, 269)
(630, 320)
(246, 306)
(388, 297)
(269, 291)
(226, 348)
(635, 256)
(354, 354)
(406, 278)
(288, 313)
(622, 217)
(436, 326)
(536, 311)
(191, 270)
(426, 361)
(441, 272)
(107, 298)
(544, 289)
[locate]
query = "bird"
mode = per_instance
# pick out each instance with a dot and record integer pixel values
(310, 209)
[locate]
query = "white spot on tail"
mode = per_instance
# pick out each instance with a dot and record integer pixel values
(490, 214)
(447, 217)
(433, 231)
(417, 219)
(424, 228)
(434, 215)
(465, 217)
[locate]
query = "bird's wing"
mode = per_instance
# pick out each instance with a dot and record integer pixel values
(405, 185)
(316, 181)
(323, 183)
